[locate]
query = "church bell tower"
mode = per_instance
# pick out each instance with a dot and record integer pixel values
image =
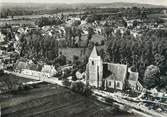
(95, 69)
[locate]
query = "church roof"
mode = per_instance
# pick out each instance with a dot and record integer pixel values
(48, 69)
(117, 71)
(94, 53)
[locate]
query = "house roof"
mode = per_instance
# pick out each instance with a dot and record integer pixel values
(48, 69)
(21, 65)
(94, 53)
(117, 71)
(111, 77)
(25, 65)
(32, 66)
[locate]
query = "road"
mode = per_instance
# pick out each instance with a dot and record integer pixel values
(52, 80)
(134, 106)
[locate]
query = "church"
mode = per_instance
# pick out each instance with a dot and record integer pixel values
(109, 75)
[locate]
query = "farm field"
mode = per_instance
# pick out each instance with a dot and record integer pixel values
(20, 22)
(35, 16)
(53, 101)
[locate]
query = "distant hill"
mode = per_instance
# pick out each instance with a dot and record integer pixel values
(48, 6)
(126, 5)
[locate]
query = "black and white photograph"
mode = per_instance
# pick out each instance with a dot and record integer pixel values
(83, 58)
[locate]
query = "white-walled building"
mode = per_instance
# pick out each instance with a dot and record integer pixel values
(50, 69)
(2, 37)
(115, 75)
(133, 79)
(110, 75)
(95, 69)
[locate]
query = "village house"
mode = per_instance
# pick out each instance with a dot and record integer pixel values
(130, 23)
(35, 70)
(49, 69)
(23, 30)
(110, 75)
(26, 64)
(36, 74)
(20, 65)
(2, 37)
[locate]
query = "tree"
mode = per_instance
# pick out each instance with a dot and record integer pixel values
(76, 23)
(60, 60)
(68, 35)
(152, 76)
(90, 34)
(8, 81)
(124, 23)
(90, 19)
(93, 18)
(43, 21)
(80, 87)
(135, 23)
(108, 31)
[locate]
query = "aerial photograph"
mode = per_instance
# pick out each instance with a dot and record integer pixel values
(83, 58)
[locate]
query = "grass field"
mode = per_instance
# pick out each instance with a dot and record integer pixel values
(70, 52)
(52, 101)
(21, 22)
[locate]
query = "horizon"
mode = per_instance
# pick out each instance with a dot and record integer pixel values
(152, 2)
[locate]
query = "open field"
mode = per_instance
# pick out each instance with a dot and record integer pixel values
(53, 101)
(70, 52)
(20, 22)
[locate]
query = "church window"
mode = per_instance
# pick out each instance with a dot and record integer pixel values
(93, 63)
(109, 83)
(118, 85)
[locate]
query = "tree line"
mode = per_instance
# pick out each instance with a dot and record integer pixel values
(44, 21)
(38, 47)
(149, 49)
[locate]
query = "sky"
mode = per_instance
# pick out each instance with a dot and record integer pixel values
(156, 2)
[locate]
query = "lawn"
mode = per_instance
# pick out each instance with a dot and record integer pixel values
(70, 52)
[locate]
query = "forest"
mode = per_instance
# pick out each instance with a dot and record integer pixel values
(35, 46)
